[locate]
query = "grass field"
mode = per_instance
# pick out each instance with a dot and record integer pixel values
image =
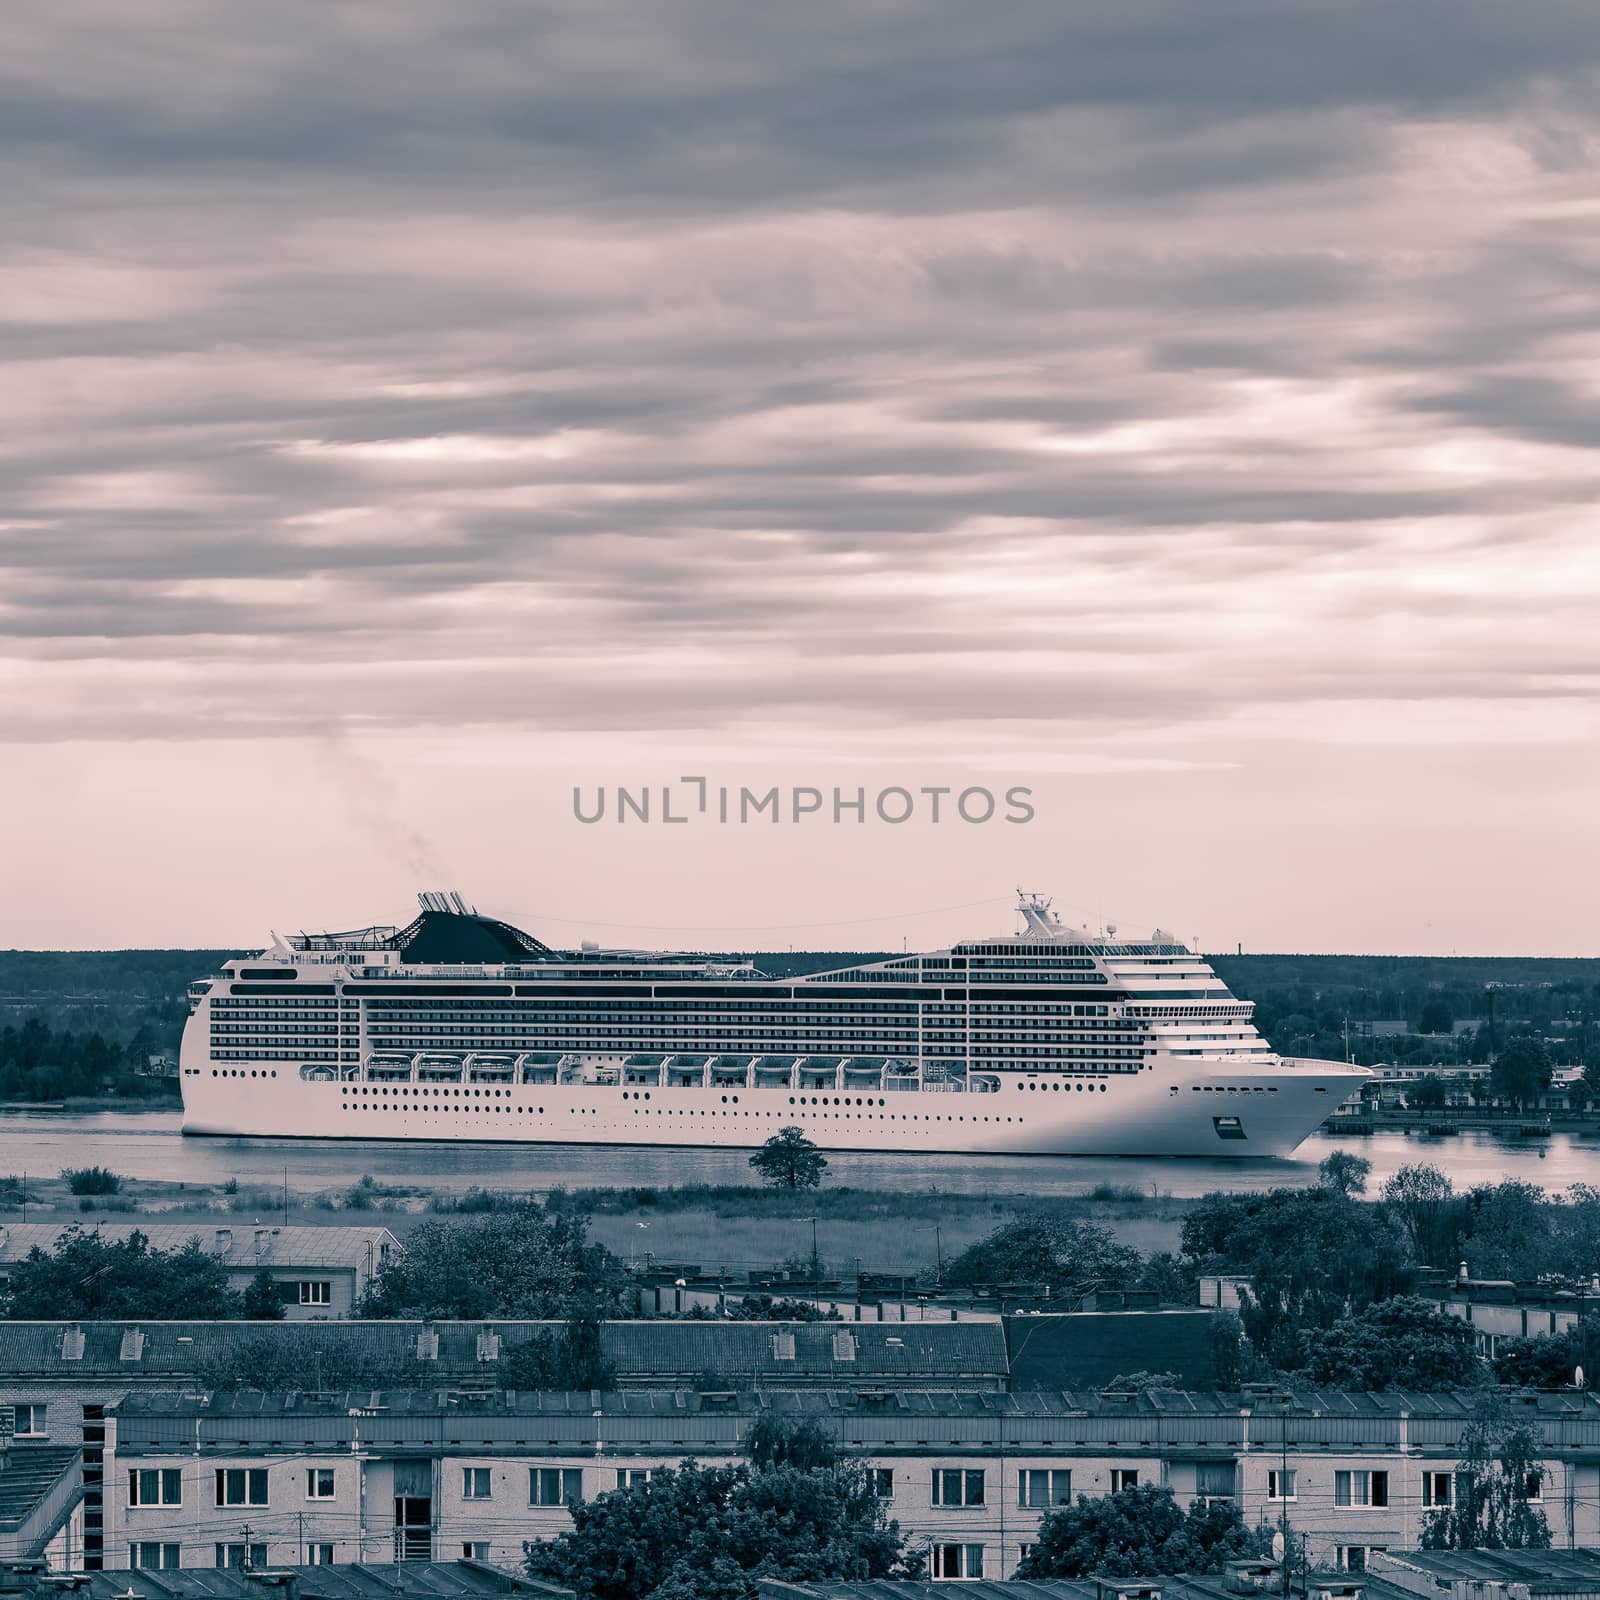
(730, 1228)
(886, 1232)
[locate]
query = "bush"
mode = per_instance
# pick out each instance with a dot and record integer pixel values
(92, 1180)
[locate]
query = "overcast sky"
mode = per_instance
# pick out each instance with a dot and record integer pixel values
(412, 411)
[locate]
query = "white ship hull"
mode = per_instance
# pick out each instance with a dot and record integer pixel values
(1145, 1114)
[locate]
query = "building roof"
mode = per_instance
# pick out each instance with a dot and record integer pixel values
(879, 1416)
(1563, 1572)
(1205, 1586)
(445, 1580)
(28, 1475)
(1085, 1349)
(241, 1245)
(732, 1354)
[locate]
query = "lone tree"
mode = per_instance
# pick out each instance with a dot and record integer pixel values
(710, 1533)
(1522, 1071)
(1141, 1530)
(1496, 1482)
(1428, 1093)
(789, 1160)
(1345, 1171)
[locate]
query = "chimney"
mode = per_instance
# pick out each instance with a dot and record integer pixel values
(1461, 1273)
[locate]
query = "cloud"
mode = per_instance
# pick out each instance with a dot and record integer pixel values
(844, 367)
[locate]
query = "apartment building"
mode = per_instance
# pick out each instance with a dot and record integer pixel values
(58, 1378)
(223, 1479)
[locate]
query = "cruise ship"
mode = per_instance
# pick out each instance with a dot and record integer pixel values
(1050, 1041)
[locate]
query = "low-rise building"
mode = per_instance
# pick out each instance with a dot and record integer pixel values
(58, 1378)
(218, 1479)
(319, 1272)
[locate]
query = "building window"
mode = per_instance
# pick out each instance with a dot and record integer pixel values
(317, 1292)
(253, 1556)
(1039, 1491)
(475, 1483)
(155, 1486)
(1124, 1478)
(957, 1561)
(957, 1486)
(632, 1477)
(555, 1486)
(1534, 1488)
(1361, 1489)
(1280, 1484)
(152, 1556)
(241, 1486)
(321, 1555)
(319, 1483)
(29, 1421)
(1436, 1488)
(881, 1482)
(1353, 1557)
(475, 1550)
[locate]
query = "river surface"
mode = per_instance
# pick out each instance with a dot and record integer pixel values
(148, 1145)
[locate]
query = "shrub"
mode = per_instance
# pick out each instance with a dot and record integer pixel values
(92, 1180)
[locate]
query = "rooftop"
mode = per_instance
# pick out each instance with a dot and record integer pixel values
(234, 1244)
(444, 1580)
(740, 1355)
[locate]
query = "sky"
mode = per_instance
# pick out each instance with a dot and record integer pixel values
(410, 414)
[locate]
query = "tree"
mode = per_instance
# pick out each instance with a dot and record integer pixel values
(263, 1300)
(1402, 1343)
(1499, 1471)
(568, 1357)
(696, 1531)
(1522, 1071)
(1505, 1229)
(1428, 1093)
(789, 1160)
(1311, 1255)
(1042, 1247)
(524, 1262)
(1164, 1275)
(1344, 1171)
(1550, 1362)
(86, 1276)
(777, 1441)
(1436, 1017)
(1419, 1199)
(1139, 1531)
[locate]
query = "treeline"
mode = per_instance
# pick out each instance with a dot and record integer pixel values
(1303, 1003)
(42, 1063)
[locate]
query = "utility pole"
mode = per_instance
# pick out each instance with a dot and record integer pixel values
(286, 1197)
(300, 1545)
(1283, 1486)
(245, 1533)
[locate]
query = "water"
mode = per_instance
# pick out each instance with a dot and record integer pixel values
(148, 1145)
